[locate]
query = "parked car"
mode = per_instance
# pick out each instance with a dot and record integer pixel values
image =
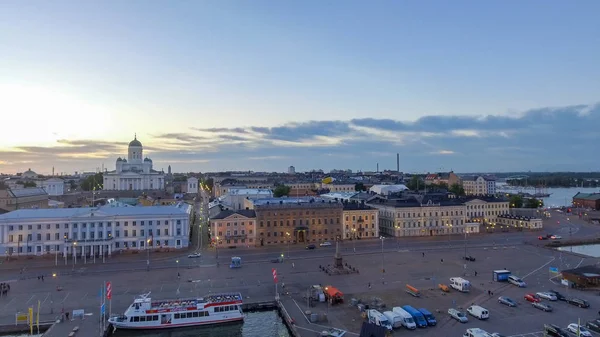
(507, 301)
(325, 244)
(578, 302)
(495, 334)
(553, 330)
(469, 258)
(311, 246)
(458, 315)
(531, 298)
(542, 306)
(576, 328)
(547, 296)
(593, 325)
(556, 237)
(542, 237)
(194, 255)
(558, 295)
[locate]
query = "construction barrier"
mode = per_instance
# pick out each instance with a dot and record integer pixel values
(444, 288)
(412, 290)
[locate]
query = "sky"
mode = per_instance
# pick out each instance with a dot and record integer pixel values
(468, 86)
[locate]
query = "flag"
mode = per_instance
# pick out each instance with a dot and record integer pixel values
(100, 293)
(274, 271)
(108, 290)
(102, 308)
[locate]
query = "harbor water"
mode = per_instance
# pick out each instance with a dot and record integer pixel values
(263, 323)
(559, 196)
(588, 250)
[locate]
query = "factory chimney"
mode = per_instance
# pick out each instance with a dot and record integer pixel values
(398, 162)
(377, 167)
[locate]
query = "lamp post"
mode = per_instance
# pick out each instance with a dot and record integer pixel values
(289, 236)
(382, 261)
(217, 250)
(449, 226)
(148, 254)
(56, 256)
(177, 261)
(74, 252)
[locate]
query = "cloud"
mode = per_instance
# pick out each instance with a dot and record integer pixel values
(552, 138)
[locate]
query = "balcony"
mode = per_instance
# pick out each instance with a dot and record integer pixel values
(108, 239)
(236, 236)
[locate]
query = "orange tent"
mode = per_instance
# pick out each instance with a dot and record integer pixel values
(334, 293)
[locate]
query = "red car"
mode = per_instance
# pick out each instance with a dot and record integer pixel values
(532, 298)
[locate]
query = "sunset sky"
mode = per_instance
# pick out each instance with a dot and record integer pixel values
(261, 85)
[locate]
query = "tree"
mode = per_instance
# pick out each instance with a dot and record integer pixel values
(441, 186)
(93, 182)
(72, 185)
(29, 184)
(209, 183)
(359, 187)
(457, 189)
(414, 183)
(281, 190)
(534, 203)
(515, 201)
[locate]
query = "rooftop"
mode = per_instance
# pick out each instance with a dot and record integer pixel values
(339, 195)
(250, 191)
(414, 202)
(243, 212)
(102, 211)
(587, 196)
(590, 271)
(28, 192)
(514, 217)
(355, 206)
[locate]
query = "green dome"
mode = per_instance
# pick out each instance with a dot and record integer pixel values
(135, 142)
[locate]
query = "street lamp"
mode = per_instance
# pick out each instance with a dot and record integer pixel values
(288, 243)
(354, 239)
(74, 252)
(177, 261)
(382, 261)
(148, 254)
(449, 231)
(55, 257)
(217, 250)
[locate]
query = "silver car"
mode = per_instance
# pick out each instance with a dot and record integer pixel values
(542, 306)
(547, 296)
(507, 301)
(457, 315)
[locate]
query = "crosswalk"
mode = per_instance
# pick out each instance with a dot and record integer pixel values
(530, 334)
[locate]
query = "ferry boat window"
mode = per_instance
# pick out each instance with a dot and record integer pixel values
(176, 316)
(131, 319)
(143, 319)
(196, 314)
(189, 315)
(155, 317)
(136, 319)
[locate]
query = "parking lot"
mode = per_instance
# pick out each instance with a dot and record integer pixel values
(530, 263)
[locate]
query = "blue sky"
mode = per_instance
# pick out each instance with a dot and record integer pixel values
(261, 85)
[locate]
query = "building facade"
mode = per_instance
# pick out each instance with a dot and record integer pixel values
(587, 200)
(83, 232)
(237, 198)
(449, 179)
(519, 222)
(297, 221)
(134, 173)
(412, 217)
(54, 186)
(360, 221)
(192, 185)
(479, 185)
(485, 210)
(233, 228)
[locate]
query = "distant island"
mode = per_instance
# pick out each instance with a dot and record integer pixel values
(556, 179)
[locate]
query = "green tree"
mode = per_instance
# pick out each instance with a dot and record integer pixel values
(93, 182)
(414, 183)
(516, 201)
(534, 203)
(72, 185)
(457, 189)
(29, 184)
(441, 186)
(359, 187)
(209, 183)
(281, 190)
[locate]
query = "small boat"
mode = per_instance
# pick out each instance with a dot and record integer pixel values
(144, 314)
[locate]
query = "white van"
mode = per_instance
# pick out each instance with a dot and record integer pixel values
(517, 281)
(460, 284)
(394, 318)
(407, 320)
(479, 312)
(476, 332)
(377, 318)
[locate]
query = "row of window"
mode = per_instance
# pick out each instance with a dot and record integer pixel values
(485, 213)
(93, 225)
(494, 205)
(301, 222)
(314, 232)
(361, 218)
(361, 226)
(92, 235)
(242, 232)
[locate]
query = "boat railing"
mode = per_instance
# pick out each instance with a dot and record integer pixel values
(175, 304)
(219, 298)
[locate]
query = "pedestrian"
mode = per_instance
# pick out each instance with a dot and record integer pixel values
(442, 260)
(475, 273)
(293, 265)
(42, 278)
(369, 285)
(423, 254)
(489, 293)
(67, 314)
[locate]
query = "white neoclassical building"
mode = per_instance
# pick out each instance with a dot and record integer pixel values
(134, 173)
(85, 232)
(54, 186)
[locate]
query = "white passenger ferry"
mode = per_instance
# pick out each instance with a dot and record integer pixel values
(213, 309)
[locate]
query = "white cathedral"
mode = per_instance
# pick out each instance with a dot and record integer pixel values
(134, 173)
